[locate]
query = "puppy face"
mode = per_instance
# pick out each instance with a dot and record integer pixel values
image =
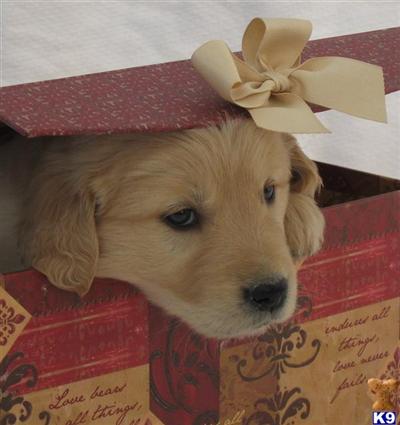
(208, 223)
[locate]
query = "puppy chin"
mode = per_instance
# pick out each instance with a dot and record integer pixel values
(239, 325)
(250, 324)
(219, 320)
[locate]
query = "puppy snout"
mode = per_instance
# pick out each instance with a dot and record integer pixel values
(268, 294)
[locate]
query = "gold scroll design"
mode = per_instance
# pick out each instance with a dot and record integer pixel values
(279, 409)
(13, 319)
(281, 347)
(12, 373)
(9, 321)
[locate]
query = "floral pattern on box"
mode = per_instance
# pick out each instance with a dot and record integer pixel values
(13, 407)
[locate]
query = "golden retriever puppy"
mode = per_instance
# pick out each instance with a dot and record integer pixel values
(208, 223)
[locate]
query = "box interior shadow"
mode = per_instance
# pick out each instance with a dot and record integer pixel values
(340, 185)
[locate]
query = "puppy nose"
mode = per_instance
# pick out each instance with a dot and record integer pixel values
(267, 295)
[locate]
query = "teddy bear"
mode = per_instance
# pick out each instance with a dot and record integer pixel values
(385, 392)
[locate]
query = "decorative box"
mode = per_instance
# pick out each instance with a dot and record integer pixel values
(112, 358)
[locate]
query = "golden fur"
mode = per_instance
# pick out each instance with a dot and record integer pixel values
(94, 207)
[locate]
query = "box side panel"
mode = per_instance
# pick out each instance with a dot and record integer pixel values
(355, 278)
(359, 263)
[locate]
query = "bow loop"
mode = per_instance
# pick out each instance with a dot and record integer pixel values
(275, 44)
(274, 86)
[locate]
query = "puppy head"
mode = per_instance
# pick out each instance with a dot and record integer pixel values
(202, 221)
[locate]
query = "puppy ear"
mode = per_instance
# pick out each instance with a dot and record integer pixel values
(304, 222)
(58, 235)
(305, 176)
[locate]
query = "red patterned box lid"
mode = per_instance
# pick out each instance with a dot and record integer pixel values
(164, 97)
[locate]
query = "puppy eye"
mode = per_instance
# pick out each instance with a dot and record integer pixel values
(182, 219)
(269, 193)
(296, 177)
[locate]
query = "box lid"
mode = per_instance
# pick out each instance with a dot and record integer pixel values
(163, 97)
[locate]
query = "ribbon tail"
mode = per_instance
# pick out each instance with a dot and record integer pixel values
(347, 85)
(288, 113)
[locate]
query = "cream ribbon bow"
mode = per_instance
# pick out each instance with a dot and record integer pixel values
(273, 85)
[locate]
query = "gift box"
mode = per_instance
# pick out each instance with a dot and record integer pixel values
(113, 358)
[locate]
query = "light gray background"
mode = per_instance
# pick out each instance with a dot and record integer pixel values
(53, 38)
